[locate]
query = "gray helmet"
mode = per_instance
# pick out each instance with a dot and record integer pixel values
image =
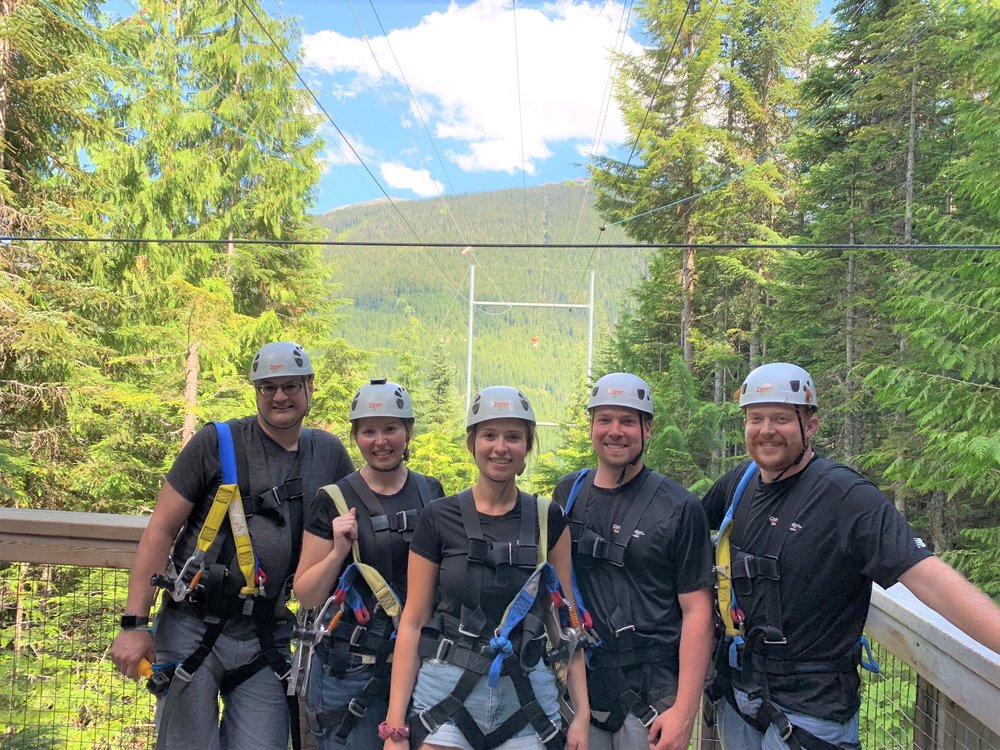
(621, 389)
(280, 359)
(380, 398)
(499, 402)
(778, 383)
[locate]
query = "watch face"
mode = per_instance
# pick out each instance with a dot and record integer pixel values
(133, 621)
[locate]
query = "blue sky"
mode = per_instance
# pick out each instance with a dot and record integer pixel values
(438, 98)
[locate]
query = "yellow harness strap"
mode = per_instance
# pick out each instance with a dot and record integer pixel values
(723, 573)
(227, 500)
(723, 556)
(383, 593)
(543, 528)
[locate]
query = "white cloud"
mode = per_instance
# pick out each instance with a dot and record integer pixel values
(417, 181)
(338, 152)
(500, 89)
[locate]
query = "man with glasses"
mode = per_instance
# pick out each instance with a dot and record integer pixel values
(218, 633)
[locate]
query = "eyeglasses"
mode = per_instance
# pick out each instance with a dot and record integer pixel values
(269, 389)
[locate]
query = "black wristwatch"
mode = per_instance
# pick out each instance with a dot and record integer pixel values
(134, 622)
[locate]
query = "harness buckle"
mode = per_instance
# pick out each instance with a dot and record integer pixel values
(277, 497)
(787, 730)
(402, 521)
(429, 724)
(597, 550)
(650, 717)
(182, 674)
(553, 731)
(625, 629)
(444, 648)
(357, 709)
(357, 635)
(781, 642)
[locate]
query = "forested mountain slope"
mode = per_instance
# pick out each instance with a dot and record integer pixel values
(407, 299)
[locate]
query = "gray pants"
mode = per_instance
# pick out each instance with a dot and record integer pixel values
(254, 713)
(631, 736)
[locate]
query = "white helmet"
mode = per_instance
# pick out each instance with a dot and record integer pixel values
(499, 402)
(380, 398)
(280, 359)
(621, 389)
(778, 383)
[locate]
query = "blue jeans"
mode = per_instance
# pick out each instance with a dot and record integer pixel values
(329, 691)
(488, 706)
(736, 734)
(254, 713)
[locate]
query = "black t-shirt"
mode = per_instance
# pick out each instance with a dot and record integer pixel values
(196, 474)
(841, 539)
(670, 553)
(440, 537)
(324, 511)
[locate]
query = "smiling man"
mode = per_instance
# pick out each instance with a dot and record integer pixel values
(801, 540)
(224, 628)
(642, 558)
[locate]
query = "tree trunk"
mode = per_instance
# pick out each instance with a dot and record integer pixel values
(6, 10)
(230, 255)
(851, 442)
(911, 159)
(190, 392)
(940, 524)
(687, 291)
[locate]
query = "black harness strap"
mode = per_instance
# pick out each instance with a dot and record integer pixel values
(220, 598)
(749, 571)
(465, 642)
(380, 538)
(475, 663)
(590, 548)
(270, 501)
(350, 639)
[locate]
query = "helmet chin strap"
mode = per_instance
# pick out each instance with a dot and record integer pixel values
(634, 461)
(505, 484)
(406, 457)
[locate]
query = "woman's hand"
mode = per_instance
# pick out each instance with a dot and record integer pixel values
(345, 531)
(578, 733)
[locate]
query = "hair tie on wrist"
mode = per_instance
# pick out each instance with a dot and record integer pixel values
(385, 732)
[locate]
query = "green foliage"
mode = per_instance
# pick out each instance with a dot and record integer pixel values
(945, 382)
(976, 555)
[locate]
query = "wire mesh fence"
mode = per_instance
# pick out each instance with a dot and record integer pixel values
(58, 688)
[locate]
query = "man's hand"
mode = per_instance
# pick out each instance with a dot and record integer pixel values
(671, 730)
(129, 648)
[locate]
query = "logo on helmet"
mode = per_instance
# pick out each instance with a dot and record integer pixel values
(375, 405)
(616, 391)
(502, 405)
(764, 388)
(275, 366)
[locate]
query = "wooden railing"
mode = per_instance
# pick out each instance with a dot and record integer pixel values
(958, 697)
